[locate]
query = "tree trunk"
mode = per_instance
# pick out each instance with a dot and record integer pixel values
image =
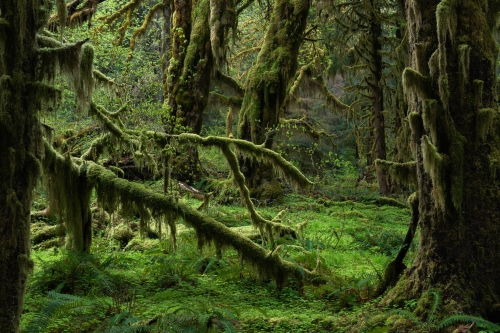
(268, 80)
(376, 68)
(20, 148)
(188, 79)
(451, 90)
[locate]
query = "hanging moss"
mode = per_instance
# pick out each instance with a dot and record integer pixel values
(415, 83)
(484, 122)
(446, 18)
(416, 125)
(71, 197)
(280, 165)
(405, 173)
(456, 170)
(430, 109)
(111, 189)
(62, 14)
(73, 61)
(463, 64)
(434, 165)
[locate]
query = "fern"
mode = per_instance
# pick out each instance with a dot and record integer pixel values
(408, 315)
(435, 306)
(480, 322)
(60, 303)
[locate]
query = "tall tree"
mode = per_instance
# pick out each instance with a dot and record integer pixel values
(28, 65)
(451, 89)
(364, 27)
(269, 79)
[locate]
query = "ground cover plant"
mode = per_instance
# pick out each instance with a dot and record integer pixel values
(160, 288)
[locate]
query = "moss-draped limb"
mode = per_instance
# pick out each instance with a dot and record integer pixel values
(259, 152)
(71, 197)
(308, 129)
(405, 173)
(112, 189)
(75, 12)
(140, 143)
(231, 82)
(285, 168)
(147, 20)
(72, 60)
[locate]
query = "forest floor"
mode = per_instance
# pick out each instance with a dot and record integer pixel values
(133, 285)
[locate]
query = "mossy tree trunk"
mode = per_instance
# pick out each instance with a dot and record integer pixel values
(376, 68)
(20, 148)
(451, 89)
(269, 79)
(188, 78)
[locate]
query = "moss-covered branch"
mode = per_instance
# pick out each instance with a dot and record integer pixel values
(308, 128)
(280, 165)
(147, 20)
(111, 190)
(405, 173)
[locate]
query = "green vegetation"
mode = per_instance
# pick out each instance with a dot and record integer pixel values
(249, 166)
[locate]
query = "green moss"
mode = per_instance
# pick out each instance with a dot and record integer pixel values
(46, 232)
(123, 234)
(434, 165)
(430, 110)
(463, 64)
(111, 190)
(147, 20)
(415, 83)
(405, 173)
(484, 122)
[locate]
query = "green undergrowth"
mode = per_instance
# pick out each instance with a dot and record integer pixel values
(147, 287)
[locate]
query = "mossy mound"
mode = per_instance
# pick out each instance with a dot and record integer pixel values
(41, 232)
(123, 234)
(141, 245)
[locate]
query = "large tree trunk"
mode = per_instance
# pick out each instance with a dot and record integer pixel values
(376, 68)
(188, 79)
(451, 91)
(268, 81)
(20, 150)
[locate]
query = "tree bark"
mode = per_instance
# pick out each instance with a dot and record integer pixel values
(20, 148)
(187, 84)
(376, 68)
(268, 81)
(451, 90)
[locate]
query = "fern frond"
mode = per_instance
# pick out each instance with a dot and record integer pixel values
(435, 306)
(407, 315)
(480, 322)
